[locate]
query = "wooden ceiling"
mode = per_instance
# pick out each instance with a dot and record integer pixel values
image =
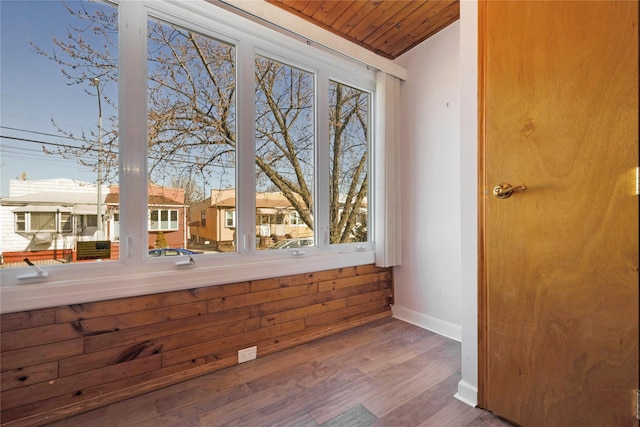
(386, 27)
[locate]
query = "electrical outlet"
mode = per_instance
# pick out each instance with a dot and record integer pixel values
(247, 354)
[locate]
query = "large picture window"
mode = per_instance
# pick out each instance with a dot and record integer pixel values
(209, 133)
(43, 221)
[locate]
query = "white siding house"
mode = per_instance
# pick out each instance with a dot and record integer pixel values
(48, 215)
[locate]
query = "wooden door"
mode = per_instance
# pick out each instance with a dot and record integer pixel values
(559, 261)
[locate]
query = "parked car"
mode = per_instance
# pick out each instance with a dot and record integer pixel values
(171, 252)
(293, 243)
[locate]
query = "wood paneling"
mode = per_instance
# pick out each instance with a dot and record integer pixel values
(64, 360)
(386, 27)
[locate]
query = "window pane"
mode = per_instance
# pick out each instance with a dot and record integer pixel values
(42, 221)
(164, 220)
(173, 225)
(65, 222)
(20, 222)
(59, 148)
(349, 134)
(154, 223)
(285, 148)
(230, 219)
(192, 136)
(90, 221)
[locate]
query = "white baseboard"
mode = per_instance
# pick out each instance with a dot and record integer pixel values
(467, 393)
(433, 324)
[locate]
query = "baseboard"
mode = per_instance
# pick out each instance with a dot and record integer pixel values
(433, 324)
(467, 393)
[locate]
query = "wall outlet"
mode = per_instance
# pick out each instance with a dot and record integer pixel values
(247, 354)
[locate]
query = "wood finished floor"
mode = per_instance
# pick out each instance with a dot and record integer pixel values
(388, 373)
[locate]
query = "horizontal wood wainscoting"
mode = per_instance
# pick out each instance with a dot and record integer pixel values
(65, 360)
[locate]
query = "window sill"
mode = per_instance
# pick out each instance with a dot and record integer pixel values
(117, 280)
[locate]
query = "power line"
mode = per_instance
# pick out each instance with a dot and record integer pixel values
(55, 144)
(183, 160)
(44, 133)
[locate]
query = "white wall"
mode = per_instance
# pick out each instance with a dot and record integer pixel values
(436, 287)
(428, 284)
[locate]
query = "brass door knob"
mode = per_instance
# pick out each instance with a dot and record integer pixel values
(503, 191)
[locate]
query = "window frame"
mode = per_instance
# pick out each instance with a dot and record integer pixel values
(20, 218)
(58, 222)
(230, 213)
(137, 274)
(160, 221)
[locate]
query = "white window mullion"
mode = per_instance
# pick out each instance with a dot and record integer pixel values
(322, 161)
(132, 115)
(246, 148)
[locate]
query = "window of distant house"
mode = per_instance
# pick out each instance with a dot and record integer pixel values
(230, 219)
(88, 220)
(43, 221)
(66, 225)
(203, 218)
(164, 220)
(294, 218)
(21, 221)
(59, 124)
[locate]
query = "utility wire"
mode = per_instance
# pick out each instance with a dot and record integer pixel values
(178, 158)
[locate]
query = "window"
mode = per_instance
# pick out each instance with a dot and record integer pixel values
(191, 119)
(21, 221)
(210, 131)
(294, 218)
(349, 124)
(163, 219)
(43, 221)
(66, 225)
(285, 142)
(230, 219)
(89, 220)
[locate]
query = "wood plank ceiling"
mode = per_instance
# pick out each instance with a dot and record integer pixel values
(386, 27)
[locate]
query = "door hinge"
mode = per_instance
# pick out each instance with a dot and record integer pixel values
(638, 404)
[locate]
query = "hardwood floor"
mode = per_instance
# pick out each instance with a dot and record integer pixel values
(388, 373)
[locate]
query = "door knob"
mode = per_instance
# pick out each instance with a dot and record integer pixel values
(503, 191)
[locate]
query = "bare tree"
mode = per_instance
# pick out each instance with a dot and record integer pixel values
(81, 61)
(192, 192)
(349, 130)
(192, 117)
(284, 132)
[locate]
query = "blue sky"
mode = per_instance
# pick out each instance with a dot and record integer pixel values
(33, 91)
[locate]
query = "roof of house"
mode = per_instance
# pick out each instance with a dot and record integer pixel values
(152, 200)
(261, 203)
(52, 197)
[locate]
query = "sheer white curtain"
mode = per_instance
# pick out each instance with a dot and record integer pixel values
(388, 191)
